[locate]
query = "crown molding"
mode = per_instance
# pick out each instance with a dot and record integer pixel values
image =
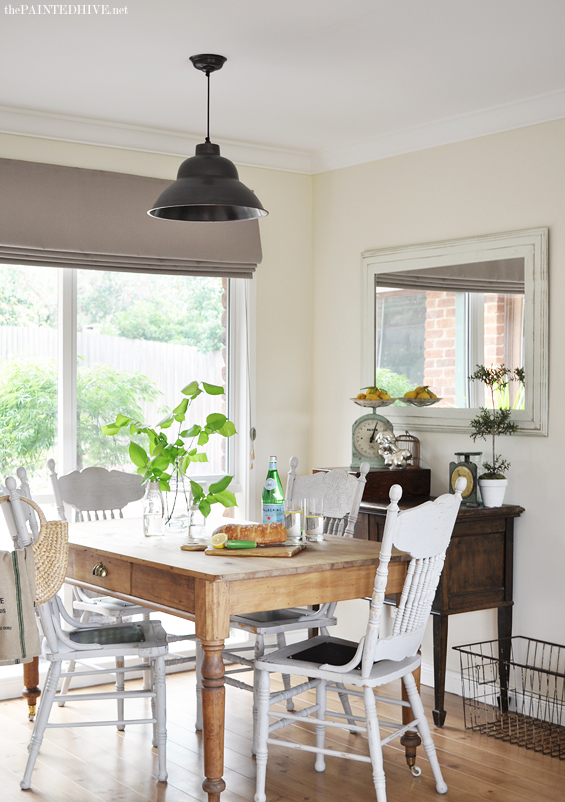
(87, 131)
(493, 120)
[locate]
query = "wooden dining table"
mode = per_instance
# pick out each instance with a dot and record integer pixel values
(208, 589)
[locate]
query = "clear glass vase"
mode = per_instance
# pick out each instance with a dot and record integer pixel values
(153, 511)
(178, 514)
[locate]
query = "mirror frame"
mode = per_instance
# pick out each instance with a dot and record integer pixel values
(532, 245)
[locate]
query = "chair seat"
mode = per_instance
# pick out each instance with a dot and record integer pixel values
(150, 633)
(270, 621)
(109, 605)
(308, 658)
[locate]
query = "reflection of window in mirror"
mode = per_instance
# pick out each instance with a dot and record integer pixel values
(433, 326)
(430, 313)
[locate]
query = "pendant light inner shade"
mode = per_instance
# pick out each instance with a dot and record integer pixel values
(207, 189)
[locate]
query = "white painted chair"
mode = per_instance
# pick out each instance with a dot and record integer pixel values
(144, 640)
(96, 493)
(328, 664)
(342, 494)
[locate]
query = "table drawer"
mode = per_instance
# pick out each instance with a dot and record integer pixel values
(82, 561)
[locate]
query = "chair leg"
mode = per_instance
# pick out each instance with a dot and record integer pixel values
(199, 656)
(344, 699)
(321, 696)
(258, 653)
(120, 687)
(161, 716)
(47, 699)
(375, 746)
(424, 730)
(261, 699)
(67, 681)
(281, 643)
(147, 673)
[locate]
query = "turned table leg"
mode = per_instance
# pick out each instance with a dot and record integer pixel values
(212, 627)
(31, 691)
(410, 740)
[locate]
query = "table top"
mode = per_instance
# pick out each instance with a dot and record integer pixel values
(124, 537)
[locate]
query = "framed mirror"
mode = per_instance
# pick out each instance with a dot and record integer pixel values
(432, 312)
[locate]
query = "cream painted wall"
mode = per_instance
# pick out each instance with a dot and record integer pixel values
(280, 307)
(498, 183)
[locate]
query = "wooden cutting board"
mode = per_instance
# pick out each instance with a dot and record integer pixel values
(194, 547)
(266, 551)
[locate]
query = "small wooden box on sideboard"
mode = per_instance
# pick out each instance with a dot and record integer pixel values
(413, 481)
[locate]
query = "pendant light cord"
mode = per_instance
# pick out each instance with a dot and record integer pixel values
(208, 109)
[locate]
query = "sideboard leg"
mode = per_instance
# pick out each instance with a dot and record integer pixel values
(504, 647)
(440, 625)
(31, 690)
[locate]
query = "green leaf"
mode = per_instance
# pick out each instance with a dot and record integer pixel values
(228, 429)
(213, 389)
(111, 429)
(215, 420)
(202, 439)
(164, 485)
(191, 389)
(159, 463)
(122, 420)
(138, 455)
(157, 449)
(181, 408)
(166, 422)
(204, 507)
(185, 462)
(217, 487)
(199, 457)
(227, 498)
(196, 490)
(192, 432)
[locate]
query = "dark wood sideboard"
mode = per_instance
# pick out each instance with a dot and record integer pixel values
(478, 567)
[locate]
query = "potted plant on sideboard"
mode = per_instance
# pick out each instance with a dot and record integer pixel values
(492, 422)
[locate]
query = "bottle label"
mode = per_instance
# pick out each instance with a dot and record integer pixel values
(273, 513)
(270, 484)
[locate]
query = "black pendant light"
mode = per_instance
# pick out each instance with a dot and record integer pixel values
(207, 189)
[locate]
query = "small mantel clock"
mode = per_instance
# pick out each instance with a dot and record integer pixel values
(466, 468)
(365, 447)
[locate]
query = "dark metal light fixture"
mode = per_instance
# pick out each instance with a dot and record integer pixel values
(207, 189)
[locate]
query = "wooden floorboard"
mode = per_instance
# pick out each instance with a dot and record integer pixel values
(101, 765)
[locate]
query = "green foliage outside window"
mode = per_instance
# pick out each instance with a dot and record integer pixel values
(28, 412)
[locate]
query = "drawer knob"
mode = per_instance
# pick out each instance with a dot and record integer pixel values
(100, 570)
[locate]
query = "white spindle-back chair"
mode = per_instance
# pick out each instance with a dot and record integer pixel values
(145, 640)
(94, 494)
(328, 663)
(342, 494)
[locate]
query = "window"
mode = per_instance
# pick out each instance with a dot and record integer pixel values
(80, 346)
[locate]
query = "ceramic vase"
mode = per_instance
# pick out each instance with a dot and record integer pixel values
(492, 491)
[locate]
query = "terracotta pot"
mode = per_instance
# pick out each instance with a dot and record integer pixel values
(492, 491)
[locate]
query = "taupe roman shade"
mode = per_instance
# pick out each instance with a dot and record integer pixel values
(70, 217)
(504, 276)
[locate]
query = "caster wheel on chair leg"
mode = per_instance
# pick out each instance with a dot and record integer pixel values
(416, 771)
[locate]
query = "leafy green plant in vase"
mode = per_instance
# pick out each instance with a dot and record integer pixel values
(489, 424)
(168, 460)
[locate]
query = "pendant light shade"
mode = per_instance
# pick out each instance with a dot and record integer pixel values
(208, 189)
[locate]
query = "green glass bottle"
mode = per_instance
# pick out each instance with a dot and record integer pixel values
(273, 496)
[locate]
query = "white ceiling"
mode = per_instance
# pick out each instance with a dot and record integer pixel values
(309, 85)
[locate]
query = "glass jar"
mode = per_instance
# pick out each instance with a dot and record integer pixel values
(153, 511)
(178, 507)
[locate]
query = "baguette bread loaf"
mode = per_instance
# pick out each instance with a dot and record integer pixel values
(260, 533)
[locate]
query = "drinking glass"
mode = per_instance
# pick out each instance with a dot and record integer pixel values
(292, 521)
(313, 510)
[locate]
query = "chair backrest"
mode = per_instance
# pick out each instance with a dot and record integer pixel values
(424, 532)
(341, 491)
(94, 491)
(20, 518)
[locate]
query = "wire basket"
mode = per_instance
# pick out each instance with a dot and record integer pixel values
(514, 690)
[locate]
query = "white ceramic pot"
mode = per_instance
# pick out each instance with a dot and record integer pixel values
(492, 491)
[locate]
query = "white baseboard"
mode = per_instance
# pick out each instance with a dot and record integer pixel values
(452, 679)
